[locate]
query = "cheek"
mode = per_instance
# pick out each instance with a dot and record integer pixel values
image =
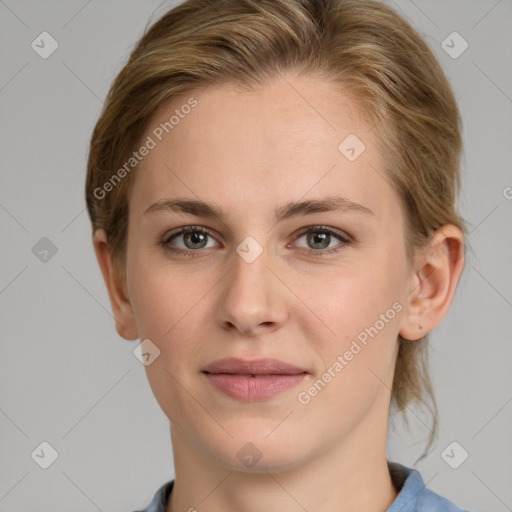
(349, 300)
(170, 313)
(357, 361)
(166, 295)
(359, 323)
(172, 310)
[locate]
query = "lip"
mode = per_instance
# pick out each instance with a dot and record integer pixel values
(266, 366)
(253, 380)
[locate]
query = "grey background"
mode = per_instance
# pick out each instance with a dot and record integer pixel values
(67, 378)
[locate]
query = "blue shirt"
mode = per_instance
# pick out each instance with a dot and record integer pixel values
(413, 496)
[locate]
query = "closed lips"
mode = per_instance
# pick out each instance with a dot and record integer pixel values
(255, 367)
(253, 380)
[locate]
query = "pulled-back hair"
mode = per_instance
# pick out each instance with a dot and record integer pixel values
(365, 47)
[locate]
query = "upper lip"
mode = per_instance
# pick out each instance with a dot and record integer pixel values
(264, 366)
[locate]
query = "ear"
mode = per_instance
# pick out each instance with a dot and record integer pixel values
(437, 273)
(116, 286)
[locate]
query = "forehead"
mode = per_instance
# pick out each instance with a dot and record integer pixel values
(293, 137)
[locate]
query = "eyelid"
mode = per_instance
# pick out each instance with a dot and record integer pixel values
(187, 229)
(344, 238)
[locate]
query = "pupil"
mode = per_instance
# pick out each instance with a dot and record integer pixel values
(322, 236)
(196, 238)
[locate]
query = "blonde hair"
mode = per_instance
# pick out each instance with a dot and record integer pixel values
(362, 45)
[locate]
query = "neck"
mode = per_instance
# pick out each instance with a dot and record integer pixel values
(341, 479)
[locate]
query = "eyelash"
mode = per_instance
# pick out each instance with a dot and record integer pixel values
(318, 253)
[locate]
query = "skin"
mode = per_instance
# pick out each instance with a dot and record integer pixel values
(249, 152)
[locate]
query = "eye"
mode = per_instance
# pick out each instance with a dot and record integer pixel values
(192, 238)
(320, 238)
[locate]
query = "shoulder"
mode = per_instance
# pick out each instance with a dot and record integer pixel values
(413, 495)
(159, 501)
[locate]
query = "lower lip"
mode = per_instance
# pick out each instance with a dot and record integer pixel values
(249, 388)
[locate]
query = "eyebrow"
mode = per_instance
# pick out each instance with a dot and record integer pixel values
(287, 211)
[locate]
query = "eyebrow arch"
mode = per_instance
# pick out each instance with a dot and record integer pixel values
(289, 210)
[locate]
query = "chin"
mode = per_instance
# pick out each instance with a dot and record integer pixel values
(258, 456)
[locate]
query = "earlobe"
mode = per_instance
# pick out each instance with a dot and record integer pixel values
(435, 283)
(119, 300)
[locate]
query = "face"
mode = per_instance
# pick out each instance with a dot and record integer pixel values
(250, 285)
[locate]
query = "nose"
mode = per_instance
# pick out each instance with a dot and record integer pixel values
(253, 299)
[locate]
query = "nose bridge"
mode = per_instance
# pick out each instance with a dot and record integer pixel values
(250, 276)
(250, 296)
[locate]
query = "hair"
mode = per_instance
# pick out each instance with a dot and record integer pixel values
(365, 47)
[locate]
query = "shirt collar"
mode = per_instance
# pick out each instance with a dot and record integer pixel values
(412, 493)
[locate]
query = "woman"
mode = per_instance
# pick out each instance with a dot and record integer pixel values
(272, 189)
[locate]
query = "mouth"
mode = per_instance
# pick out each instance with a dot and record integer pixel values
(255, 367)
(255, 380)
